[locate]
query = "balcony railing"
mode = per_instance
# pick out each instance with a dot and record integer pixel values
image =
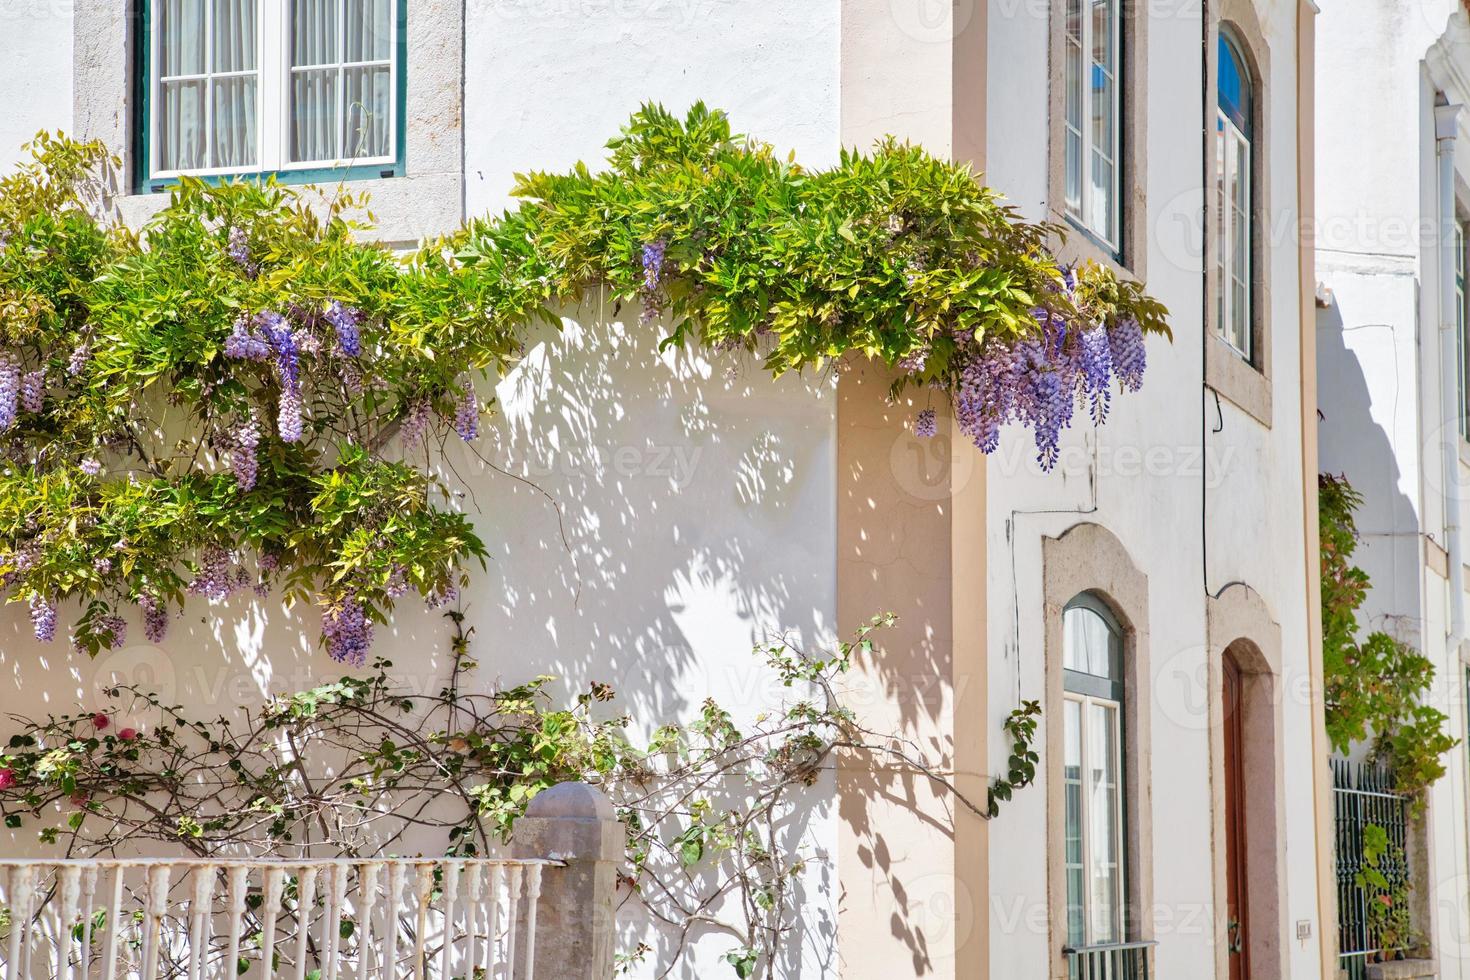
(1110, 961)
(361, 919)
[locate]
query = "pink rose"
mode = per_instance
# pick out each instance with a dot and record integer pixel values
(101, 721)
(7, 778)
(128, 734)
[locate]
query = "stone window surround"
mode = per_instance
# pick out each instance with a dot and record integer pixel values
(1088, 558)
(1238, 621)
(427, 200)
(1246, 384)
(1133, 77)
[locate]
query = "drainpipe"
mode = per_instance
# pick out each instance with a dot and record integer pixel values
(1445, 125)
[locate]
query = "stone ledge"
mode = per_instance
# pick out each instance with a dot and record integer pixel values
(1402, 970)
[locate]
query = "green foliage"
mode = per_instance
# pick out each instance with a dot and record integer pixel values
(1384, 881)
(1020, 725)
(118, 489)
(1374, 686)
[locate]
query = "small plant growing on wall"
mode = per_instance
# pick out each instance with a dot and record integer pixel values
(1374, 684)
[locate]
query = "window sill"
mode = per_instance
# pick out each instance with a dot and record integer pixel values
(1237, 381)
(407, 210)
(1080, 245)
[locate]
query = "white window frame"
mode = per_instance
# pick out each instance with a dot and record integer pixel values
(1229, 141)
(1085, 705)
(1078, 49)
(273, 94)
(1462, 322)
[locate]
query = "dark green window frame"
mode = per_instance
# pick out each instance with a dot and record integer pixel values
(144, 183)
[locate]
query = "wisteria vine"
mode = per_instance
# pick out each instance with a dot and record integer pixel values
(247, 393)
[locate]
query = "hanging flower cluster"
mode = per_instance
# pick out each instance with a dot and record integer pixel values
(226, 399)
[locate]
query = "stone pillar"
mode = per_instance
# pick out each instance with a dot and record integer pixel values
(575, 929)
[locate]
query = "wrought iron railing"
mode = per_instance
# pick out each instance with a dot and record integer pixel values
(195, 919)
(1110, 961)
(1364, 795)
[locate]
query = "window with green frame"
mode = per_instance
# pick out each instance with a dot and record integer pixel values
(1092, 773)
(303, 89)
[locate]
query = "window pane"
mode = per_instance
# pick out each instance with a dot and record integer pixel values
(1223, 226)
(368, 111)
(1104, 837)
(369, 25)
(314, 32)
(234, 35)
(1073, 120)
(1460, 321)
(314, 115)
(1072, 782)
(181, 37)
(234, 122)
(1103, 72)
(1089, 644)
(1240, 235)
(181, 137)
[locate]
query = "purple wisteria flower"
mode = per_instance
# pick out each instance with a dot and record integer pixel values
(345, 319)
(244, 344)
(155, 618)
(33, 390)
(467, 414)
(1129, 356)
(90, 466)
(397, 581)
(115, 628)
(415, 425)
(219, 576)
(238, 250)
(43, 618)
(440, 598)
(244, 463)
(651, 292)
(78, 359)
(288, 417)
(348, 631)
(102, 566)
(9, 390)
(1095, 369)
(926, 424)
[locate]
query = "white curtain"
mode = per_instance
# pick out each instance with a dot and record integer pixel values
(207, 121)
(342, 111)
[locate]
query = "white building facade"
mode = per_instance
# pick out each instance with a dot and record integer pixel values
(1156, 592)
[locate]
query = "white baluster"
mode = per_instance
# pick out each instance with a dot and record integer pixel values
(201, 909)
(533, 898)
(157, 901)
(424, 888)
(305, 896)
(513, 887)
(89, 904)
(391, 921)
(451, 895)
(237, 881)
(21, 884)
(71, 894)
(472, 918)
(492, 918)
(332, 924)
(271, 909)
(115, 923)
(367, 898)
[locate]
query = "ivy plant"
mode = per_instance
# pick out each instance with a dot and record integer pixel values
(1374, 684)
(249, 391)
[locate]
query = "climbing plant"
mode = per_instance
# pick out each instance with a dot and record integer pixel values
(247, 392)
(1374, 684)
(361, 766)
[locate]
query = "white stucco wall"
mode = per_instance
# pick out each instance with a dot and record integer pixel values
(37, 44)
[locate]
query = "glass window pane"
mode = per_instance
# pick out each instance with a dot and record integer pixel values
(315, 32)
(1072, 782)
(369, 26)
(234, 122)
(368, 111)
(314, 119)
(181, 37)
(1104, 834)
(181, 126)
(1090, 644)
(1102, 33)
(234, 35)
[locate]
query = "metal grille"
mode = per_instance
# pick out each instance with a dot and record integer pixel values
(1114, 961)
(1363, 795)
(152, 919)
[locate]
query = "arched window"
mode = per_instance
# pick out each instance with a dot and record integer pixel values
(1235, 129)
(1092, 772)
(1092, 53)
